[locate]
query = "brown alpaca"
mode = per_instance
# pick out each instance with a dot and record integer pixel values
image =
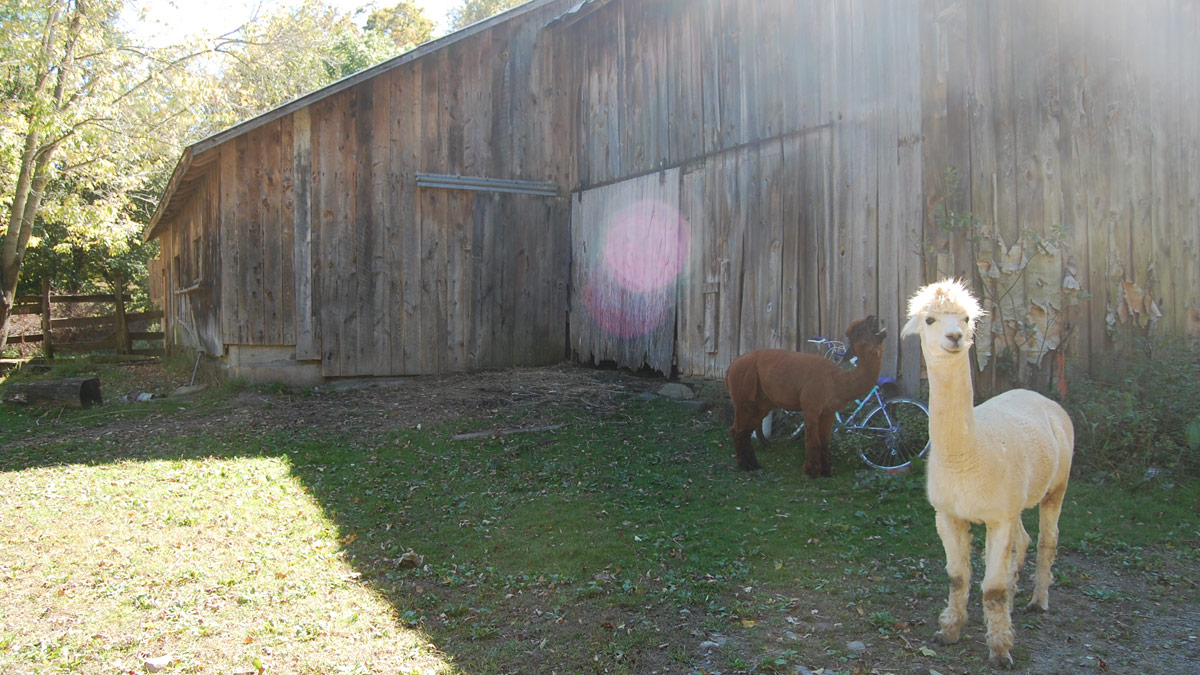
(765, 379)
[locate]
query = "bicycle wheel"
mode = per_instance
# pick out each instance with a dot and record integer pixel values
(782, 425)
(894, 433)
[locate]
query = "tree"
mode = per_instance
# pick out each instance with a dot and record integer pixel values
(405, 24)
(92, 123)
(471, 11)
(85, 121)
(291, 52)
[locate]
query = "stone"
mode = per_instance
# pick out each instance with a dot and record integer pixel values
(677, 391)
(156, 664)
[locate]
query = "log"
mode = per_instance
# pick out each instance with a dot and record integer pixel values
(77, 392)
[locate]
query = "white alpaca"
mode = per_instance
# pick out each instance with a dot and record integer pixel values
(986, 465)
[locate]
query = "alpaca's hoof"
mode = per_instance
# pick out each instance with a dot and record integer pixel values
(752, 465)
(1002, 661)
(945, 637)
(1035, 608)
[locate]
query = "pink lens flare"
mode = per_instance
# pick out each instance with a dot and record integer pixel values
(646, 246)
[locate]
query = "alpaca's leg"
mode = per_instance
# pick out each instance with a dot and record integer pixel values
(1021, 541)
(1048, 514)
(743, 450)
(956, 539)
(826, 440)
(997, 603)
(812, 444)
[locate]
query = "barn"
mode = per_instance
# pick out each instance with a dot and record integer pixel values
(667, 184)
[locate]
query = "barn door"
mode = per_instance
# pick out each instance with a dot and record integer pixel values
(629, 244)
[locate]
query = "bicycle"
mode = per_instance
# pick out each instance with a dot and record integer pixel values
(892, 430)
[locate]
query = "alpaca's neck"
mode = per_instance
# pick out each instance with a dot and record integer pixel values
(855, 383)
(951, 410)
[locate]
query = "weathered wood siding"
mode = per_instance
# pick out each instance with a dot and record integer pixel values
(822, 160)
(796, 129)
(191, 276)
(316, 237)
(1074, 131)
(834, 156)
(423, 280)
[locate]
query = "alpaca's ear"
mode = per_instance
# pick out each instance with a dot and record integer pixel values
(912, 327)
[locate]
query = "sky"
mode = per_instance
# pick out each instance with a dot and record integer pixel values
(162, 22)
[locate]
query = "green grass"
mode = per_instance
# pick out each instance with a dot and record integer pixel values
(617, 543)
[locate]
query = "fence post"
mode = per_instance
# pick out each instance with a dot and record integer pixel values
(47, 347)
(124, 344)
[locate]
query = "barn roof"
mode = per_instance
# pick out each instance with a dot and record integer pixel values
(199, 156)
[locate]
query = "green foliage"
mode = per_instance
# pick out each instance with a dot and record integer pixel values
(290, 52)
(471, 11)
(94, 121)
(404, 23)
(1137, 418)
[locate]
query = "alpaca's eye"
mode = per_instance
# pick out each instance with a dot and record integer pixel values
(929, 320)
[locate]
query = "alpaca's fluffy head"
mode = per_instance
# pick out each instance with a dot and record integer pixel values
(864, 337)
(943, 315)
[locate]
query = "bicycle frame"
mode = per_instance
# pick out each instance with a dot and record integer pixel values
(871, 397)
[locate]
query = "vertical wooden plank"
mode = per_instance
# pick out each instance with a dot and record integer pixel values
(1095, 161)
(270, 198)
(255, 252)
(326, 126)
(727, 268)
(712, 56)
(412, 125)
(952, 22)
(480, 101)
(287, 231)
(432, 302)
(457, 232)
(227, 238)
(304, 216)
(746, 258)
(891, 88)
(770, 221)
(249, 228)
(792, 226)
(909, 170)
(1185, 212)
(692, 324)
(338, 239)
(487, 281)
(366, 266)
(379, 361)
(524, 279)
(47, 341)
(399, 187)
(857, 245)
(1075, 153)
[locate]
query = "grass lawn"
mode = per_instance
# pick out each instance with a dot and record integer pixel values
(267, 530)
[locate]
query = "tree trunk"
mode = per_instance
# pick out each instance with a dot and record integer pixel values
(6, 304)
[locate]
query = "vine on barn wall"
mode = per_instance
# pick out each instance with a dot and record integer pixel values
(1025, 286)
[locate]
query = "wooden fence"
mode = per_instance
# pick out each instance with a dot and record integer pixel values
(121, 339)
